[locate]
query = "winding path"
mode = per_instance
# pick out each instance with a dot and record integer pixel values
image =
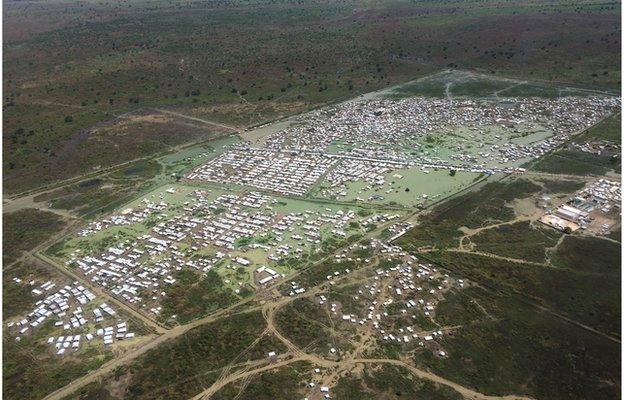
(422, 374)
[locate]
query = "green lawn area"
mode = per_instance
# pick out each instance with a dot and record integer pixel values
(408, 189)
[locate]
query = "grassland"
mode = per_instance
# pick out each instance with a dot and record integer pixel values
(414, 188)
(100, 195)
(450, 83)
(519, 240)
(95, 146)
(561, 186)
(575, 163)
(588, 254)
(70, 82)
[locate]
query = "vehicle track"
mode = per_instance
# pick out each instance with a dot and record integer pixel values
(422, 374)
(205, 121)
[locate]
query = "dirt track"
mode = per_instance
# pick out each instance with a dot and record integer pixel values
(205, 121)
(466, 392)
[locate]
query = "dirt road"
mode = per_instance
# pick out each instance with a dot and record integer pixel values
(422, 374)
(205, 121)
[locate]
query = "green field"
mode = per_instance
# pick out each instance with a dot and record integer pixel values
(414, 187)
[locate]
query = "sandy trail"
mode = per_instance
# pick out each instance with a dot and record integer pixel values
(422, 374)
(205, 121)
(490, 255)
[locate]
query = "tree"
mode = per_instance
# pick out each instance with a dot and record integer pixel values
(69, 119)
(452, 172)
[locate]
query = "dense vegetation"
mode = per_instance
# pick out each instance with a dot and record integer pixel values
(280, 384)
(562, 186)
(306, 325)
(569, 292)
(519, 240)
(388, 382)
(588, 254)
(25, 229)
(485, 207)
(511, 347)
(104, 193)
(31, 371)
(181, 368)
